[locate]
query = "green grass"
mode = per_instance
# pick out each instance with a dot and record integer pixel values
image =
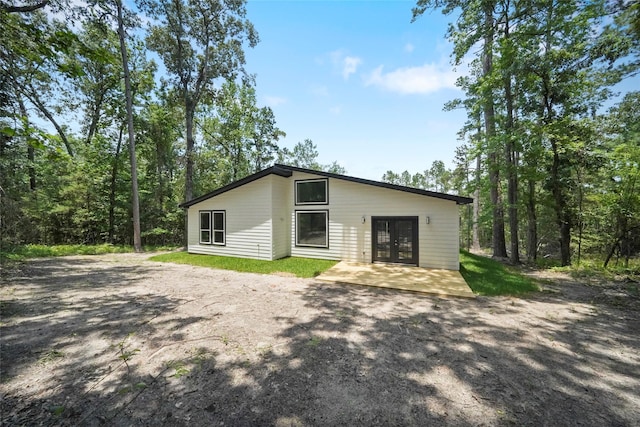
(489, 277)
(22, 252)
(593, 268)
(300, 267)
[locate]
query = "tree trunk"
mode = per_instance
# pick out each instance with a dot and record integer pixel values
(31, 155)
(95, 118)
(511, 165)
(135, 203)
(43, 109)
(160, 161)
(498, 236)
(188, 179)
(112, 189)
(532, 223)
(476, 208)
(562, 216)
(512, 197)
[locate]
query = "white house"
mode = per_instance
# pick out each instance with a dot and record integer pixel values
(289, 211)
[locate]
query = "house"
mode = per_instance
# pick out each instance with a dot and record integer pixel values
(290, 211)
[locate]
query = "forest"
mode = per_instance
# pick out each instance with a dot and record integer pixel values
(551, 148)
(98, 146)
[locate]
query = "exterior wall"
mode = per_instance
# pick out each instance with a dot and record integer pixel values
(282, 201)
(350, 239)
(248, 221)
(260, 221)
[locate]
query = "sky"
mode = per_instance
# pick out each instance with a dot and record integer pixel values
(360, 80)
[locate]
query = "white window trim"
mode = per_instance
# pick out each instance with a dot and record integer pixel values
(326, 238)
(223, 229)
(326, 191)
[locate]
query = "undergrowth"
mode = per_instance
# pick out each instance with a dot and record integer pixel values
(17, 253)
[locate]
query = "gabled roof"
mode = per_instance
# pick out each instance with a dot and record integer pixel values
(286, 172)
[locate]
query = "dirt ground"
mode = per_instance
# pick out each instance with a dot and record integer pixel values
(119, 340)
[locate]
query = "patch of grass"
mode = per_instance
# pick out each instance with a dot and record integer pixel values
(489, 277)
(57, 410)
(300, 267)
(179, 367)
(593, 268)
(50, 356)
(314, 341)
(22, 252)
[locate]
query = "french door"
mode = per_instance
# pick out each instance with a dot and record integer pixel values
(395, 239)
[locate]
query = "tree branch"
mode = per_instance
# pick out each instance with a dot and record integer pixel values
(23, 9)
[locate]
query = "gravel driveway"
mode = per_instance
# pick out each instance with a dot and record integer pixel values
(119, 340)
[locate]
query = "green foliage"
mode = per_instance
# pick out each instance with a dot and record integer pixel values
(300, 267)
(540, 73)
(23, 252)
(305, 155)
(436, 178)
(486, 276)
(179, 367)
(592, 268)
(239, 138)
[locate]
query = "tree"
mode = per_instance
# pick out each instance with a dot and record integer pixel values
(265, 137)
(135, 203)
(239, 137)
(305, 155)
(391, 177)
(31, 47)
(477, 23)
(570, 83)
(160, 127)
(537, 80)
(618, 198)
(199, 41)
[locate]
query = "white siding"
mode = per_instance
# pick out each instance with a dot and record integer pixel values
(282, 200)
(350, 239)
(248, 221)
(260, 221)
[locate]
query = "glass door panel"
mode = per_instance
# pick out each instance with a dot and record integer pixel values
(382, 238)
(395, 239)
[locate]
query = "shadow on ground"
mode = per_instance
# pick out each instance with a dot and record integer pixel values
(345, 356)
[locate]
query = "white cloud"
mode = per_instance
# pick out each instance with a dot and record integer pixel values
(336, 110)
(274, 101)
(350, 65)
(409, 47)
(345, 64)
(424, 79)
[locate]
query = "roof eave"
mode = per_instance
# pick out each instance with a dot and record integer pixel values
(276, 170)
(287, 171)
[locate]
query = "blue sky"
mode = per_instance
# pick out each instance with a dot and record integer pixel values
(360, 80)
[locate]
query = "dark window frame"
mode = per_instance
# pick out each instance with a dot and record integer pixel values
(297, 233)
(201, 229)
(303, 181)
(212, 231)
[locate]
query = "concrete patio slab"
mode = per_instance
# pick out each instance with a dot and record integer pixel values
(393, 276)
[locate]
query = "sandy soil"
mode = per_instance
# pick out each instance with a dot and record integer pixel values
(119, 340)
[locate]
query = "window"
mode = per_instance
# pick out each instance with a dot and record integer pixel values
(205, 227)
(212, 227)
(218, 228)
(312, 192)
(312, 228)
